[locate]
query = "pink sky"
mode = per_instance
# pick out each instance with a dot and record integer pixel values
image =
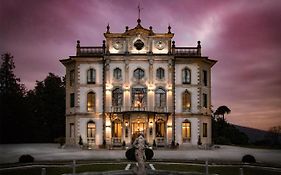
(244, 36)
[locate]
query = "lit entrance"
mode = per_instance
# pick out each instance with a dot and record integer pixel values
(138, 127)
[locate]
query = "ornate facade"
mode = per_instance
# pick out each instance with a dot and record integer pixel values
(137, 82)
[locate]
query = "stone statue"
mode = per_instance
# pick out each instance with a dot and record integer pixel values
(139, 144)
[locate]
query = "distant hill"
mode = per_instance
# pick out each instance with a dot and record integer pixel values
(252, 133)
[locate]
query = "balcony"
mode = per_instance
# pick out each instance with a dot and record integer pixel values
(187, 51)
(90, 51)
(159, 109)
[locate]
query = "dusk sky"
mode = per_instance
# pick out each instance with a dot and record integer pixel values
(243, 35)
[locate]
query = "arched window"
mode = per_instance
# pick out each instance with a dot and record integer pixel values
(91, 76)
(91, 132)
(186, 131)
(117, 73)
(160, 73)
(160, 128)
(117, 99)
(138, 73)
(139, 97)
(160, 98)
(91, 101)
(186, 101)
(186, 76)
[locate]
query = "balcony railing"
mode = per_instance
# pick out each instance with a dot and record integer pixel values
(89, 51)
(138, 108)
(187, 51)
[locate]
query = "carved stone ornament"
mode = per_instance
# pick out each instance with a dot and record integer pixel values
(138, 44)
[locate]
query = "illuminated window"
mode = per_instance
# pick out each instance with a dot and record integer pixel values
(117, 74)
(117, 99)
(72, 100)
(138, 73)
(90, 101)
(117, 129)
(160, 98)
(71, 77)
(91, 133)
(160, 73)
(160, 128)
(186, 101)
(186, 76)
(205, 130)
(91, 76)
(91, 129)
(139, 95)
(186, 131)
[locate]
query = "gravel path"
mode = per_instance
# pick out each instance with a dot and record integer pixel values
(48, 152)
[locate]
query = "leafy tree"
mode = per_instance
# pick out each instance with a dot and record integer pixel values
(12, 106)
(224, 132)
(47, 108)
(222, 110)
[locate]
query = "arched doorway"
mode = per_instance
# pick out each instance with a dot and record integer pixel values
(91, 133)
(186, 131)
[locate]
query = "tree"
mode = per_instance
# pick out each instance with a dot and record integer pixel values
(47, 108)
(222, 110)
(275, 134)
(12, 106)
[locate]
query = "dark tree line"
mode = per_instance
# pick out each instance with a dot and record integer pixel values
(224, 132)
(30, 116)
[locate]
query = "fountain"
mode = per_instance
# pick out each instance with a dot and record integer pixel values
(140, 146)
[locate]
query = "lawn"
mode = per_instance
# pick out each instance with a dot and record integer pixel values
(221, 170)
(98, 167)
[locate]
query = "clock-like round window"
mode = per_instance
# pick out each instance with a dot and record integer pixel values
(138, 73)
(138, 44)
(117, 45)
(160, 45)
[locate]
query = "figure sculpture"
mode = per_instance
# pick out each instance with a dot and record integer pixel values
(140, 146)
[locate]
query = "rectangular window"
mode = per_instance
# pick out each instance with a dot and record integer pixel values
(205, 78)
(72, 100)
(71, 77)
(71, 130)
(205, 101)
(205, 130)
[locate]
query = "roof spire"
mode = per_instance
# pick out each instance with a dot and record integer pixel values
(139, 10)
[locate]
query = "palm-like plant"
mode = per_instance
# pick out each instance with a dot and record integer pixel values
(222, 110)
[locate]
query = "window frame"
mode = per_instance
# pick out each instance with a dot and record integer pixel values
(186, 97)
(186, 76)
(71, 77)
(187, 130)
(205, 78)
(160, 73)
(91, 76)
(205, 100)
(139, 73)
(91, 101)
(72, 100)
(117, 94)
(205, 129)
(117, 73)
(160, 97)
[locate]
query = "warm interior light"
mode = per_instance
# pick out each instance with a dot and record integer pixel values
(126, 124)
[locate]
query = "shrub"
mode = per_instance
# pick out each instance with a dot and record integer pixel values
(248, 159)
(222, 140)
(123, 143)
(154, 143)
(26, 158)
(149, 153)
(80, 141)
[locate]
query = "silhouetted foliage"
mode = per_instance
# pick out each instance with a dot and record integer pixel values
(26, 158)
(248, 159)
(12, 105)
(130, 154)
(224, 132)
(47, 109)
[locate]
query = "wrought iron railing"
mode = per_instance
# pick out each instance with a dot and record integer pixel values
(187, 51)
(138, 108)
(88, 51)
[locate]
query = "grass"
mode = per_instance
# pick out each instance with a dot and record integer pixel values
(221, 170)
(62, 170)
(98, 167)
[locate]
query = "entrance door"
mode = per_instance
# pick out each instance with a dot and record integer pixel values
(138, 127)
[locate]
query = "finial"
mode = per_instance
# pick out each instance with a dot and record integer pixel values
(78, 43)
(199, 44)
(150, 28)
(107, 27)
(169, 29)
(139, 10)
(127, 28)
